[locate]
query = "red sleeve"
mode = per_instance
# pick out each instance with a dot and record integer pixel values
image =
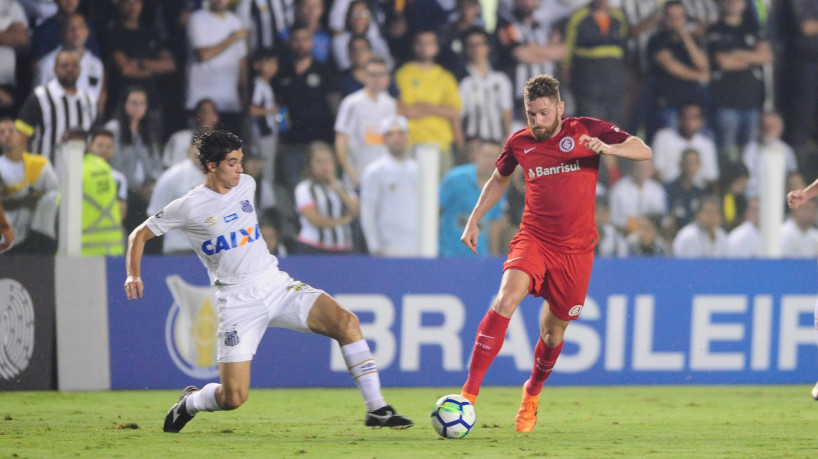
(506, 162)
(604, 130)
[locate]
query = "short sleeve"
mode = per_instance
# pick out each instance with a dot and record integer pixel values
(506, 162)
(197, 33)
(344, 119)
(173, 216)
(303, 197)
(604, 130)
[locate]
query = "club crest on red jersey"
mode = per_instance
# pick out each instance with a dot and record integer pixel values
(567, 144)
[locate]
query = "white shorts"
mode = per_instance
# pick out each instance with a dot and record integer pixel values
(247, 309)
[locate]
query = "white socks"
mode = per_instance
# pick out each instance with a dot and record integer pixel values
(203, 400)
(362, 367)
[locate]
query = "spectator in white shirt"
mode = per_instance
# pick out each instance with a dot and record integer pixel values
(216, 68)
(704, 237)
(772, 128)
(389, 196)
(799, 237)
(358, 140)
(669, 144)
(744, 241)
(637, 195)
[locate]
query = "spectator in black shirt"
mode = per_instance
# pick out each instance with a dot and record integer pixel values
(306, 88)
(737, 51)
(679, 67)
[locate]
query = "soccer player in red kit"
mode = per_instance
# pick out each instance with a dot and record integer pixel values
(552, 254)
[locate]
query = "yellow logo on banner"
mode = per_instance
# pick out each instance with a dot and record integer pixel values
(191, 328)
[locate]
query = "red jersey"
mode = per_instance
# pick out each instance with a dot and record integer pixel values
(560, 181)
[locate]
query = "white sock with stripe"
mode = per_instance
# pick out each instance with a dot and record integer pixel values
(203, 399)
(362, 367)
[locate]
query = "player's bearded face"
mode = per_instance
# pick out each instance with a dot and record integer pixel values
(543, 116)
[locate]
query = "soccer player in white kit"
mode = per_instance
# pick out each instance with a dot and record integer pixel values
(219, 220)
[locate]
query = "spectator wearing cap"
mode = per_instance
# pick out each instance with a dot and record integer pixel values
(389, 195)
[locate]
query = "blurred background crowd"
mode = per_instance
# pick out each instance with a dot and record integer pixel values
(333, 97)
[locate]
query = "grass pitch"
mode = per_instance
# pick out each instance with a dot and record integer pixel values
(656, 421)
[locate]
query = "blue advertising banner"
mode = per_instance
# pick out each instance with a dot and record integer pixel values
(645, 321)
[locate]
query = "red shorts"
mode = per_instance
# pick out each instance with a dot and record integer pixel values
(561, 278)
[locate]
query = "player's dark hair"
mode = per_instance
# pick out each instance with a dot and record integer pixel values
(542, 86)
(214, 145)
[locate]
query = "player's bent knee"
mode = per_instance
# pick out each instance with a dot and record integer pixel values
(505, 305)
(233, 400)
(348, 327)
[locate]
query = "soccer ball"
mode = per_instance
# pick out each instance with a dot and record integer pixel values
(453, 416)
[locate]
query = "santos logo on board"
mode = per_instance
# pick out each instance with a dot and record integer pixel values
(190, 329)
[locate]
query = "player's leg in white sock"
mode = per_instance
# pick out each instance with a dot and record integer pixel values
(203, 400)
(364, 371)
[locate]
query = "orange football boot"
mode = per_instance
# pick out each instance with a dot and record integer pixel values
(527, 415)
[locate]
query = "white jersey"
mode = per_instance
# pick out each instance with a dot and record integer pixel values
(223, 231)
(359, 117)
(389, 200)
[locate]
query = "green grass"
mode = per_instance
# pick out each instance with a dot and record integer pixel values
(656, 421)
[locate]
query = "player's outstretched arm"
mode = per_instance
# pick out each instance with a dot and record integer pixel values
(491, 194)
(632, 148)
(797, 197)
(133, 260)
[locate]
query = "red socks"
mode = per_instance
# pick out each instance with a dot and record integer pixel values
(490, 336)
(544, 359)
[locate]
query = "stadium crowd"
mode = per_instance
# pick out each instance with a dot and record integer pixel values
(334, 95)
